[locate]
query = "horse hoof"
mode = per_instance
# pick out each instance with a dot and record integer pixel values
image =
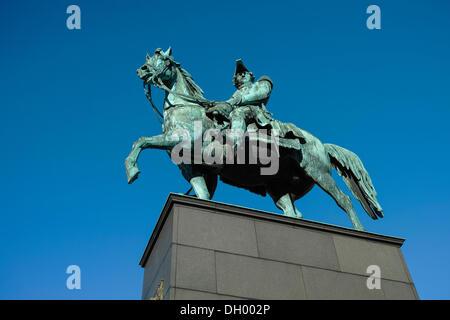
(132, 174)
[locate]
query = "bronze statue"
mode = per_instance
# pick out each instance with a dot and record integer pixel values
(303, 160)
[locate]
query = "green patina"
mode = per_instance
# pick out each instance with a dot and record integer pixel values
(304, 160)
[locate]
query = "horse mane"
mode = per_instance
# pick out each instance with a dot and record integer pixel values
(193, 88)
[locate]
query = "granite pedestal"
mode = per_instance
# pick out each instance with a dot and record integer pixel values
(210, 250)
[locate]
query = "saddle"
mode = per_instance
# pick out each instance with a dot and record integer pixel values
(289, 135)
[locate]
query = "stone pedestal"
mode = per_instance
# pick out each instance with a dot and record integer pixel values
(210, 250)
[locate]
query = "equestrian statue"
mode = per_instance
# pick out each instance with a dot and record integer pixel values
(194, 127)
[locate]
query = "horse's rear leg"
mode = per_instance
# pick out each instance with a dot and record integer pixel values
(297, 212)
(283, 201)
(326, 182)
(157, 142)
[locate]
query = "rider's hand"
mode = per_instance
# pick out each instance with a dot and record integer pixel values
(220, 107)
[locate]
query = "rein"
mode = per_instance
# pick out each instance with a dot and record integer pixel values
(202, 102)
(158, 114)
(160, 84)
(148, 93)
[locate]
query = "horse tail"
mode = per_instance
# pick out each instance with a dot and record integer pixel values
(356, 177)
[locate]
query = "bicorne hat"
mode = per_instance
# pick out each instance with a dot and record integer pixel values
(240, 67)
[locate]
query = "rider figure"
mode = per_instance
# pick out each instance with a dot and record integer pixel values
(248, 102)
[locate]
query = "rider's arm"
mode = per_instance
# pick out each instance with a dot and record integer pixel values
(235, 99)
(258, 92)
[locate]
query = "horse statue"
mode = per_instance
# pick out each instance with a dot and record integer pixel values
(303, 162)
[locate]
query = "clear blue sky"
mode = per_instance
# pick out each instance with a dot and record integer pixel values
(72, 105)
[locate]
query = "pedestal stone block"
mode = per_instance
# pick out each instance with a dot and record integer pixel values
(210, 250)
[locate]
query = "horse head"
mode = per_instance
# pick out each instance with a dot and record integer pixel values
(160, 67)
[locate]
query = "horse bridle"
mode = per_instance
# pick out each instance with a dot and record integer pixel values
(160, 84)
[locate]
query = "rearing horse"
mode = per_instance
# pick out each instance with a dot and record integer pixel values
(299, 169)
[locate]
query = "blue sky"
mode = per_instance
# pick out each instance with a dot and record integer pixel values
(71, 107)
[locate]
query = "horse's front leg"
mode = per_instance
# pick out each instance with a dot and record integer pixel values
(157, 142)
